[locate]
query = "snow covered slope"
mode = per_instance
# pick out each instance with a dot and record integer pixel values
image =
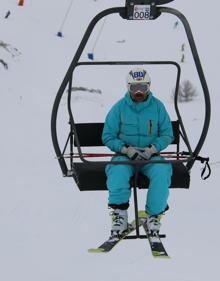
(46, 224)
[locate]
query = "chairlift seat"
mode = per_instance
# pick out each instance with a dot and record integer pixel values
(91, 176)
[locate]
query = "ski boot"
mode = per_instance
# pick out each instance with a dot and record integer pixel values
(119, 222)
(153, 224)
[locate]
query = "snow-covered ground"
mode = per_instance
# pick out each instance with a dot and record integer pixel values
(46, 224)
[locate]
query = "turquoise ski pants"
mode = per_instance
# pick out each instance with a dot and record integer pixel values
(118, 183)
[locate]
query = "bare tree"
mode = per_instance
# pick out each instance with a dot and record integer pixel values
(14, 52)
(4, 63)
(187, 92)
(183, 47)
(10, 49)
(183, 58)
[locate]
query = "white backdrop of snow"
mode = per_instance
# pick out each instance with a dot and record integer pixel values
(46, 223)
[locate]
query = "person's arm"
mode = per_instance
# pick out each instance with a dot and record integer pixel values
(165, 130)
(112, 129)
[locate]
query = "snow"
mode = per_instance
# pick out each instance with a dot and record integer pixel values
(46, 224)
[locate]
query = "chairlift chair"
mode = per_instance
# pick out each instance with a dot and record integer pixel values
(90, 175)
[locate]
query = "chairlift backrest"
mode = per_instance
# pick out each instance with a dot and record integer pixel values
(90, 134)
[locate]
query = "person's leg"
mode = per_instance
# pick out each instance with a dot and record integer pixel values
(160, 179)
(118, 182)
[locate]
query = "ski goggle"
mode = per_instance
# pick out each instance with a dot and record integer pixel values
(139, 87)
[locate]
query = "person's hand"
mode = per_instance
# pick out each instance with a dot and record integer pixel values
(148, 151)
(132, 153)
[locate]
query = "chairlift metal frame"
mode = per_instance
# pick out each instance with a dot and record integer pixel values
(153, 12)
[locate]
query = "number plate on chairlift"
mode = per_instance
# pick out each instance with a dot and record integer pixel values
(142, 12)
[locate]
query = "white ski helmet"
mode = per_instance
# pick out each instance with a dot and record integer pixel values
(138, 76)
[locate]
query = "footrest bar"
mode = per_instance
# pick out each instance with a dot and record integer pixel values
(142, 236)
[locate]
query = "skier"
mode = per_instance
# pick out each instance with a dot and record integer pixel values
(137, 126)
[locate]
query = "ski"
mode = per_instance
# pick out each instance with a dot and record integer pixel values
(109, 244)
(156, 245)
(157, 248)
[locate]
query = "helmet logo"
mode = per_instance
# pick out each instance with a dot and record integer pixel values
(138, 75)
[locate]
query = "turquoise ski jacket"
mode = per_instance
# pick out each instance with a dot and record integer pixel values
(137, 124)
